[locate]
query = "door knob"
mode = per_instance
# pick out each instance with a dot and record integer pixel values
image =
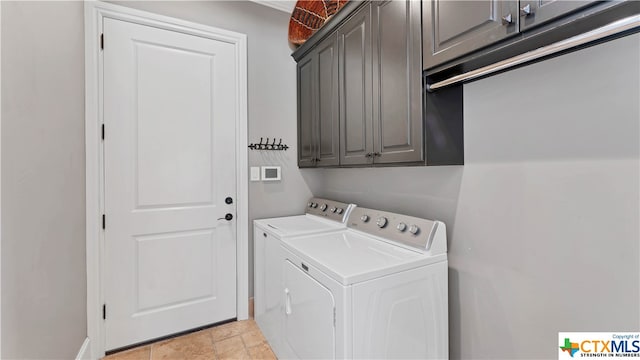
(227, 217)
(506, 20)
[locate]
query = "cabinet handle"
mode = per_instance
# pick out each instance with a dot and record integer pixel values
(368, 155)
(287, 302)
(506, 20)
(526, 10)
(377, 154)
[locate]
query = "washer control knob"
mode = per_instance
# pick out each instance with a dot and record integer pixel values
(314, 205)
(381, 222)
(414, 229)
(310, 204)
(339, 210)
(401, 227)
(323, 207)
(333, 209)
(364, 218)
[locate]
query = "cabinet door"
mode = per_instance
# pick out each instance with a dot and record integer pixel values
(397, 82)
(456, 28)
(540, 11)
(328, 139)
(354, 54)
(307, 85)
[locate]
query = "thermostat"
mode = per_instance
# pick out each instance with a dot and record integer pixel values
(270, 173)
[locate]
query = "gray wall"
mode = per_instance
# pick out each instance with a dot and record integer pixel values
(543, 218)
(272, 96)
(43, 203)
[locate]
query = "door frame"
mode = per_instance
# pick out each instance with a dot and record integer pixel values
(94, 13)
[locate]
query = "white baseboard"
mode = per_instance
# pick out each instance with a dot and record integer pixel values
(84, 353)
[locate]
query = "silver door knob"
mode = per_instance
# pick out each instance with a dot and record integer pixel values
(506, 20)
(526, 10)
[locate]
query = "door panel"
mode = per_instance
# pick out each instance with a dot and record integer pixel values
(355, 88)
(397, 111)
(328, 121)
(545, 10)
(455, 28)
(309, 311)
(307, 84)
(166, 174)
(169, 104)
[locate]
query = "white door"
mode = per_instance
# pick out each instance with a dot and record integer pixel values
(170, 105)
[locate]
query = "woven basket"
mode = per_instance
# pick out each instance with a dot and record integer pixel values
(309, 16)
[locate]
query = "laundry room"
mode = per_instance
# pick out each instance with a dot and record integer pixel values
(323, 179)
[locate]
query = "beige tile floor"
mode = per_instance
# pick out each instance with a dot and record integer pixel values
(236, 340)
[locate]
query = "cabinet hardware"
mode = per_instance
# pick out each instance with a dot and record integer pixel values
(506, 20)
(526, 10)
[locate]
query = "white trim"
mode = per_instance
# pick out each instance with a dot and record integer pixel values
(95, 11)
(84, 353)
(0, 181)
(282, 5)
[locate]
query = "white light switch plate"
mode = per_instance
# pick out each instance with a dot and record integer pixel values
(255, 173)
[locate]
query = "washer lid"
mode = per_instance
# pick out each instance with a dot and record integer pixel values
(299, 225)
(350, 256)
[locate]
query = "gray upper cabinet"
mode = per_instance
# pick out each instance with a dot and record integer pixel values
(453, 29)
(456, 28)
(318, 118)
(328, 138)
(306, 111)
(537, 12)
(354, 41)
(364, 91)
(397, 82)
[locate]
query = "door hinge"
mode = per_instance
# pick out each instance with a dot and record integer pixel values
(102, 41)
(102, 132)
(104, 221)
(104, 311)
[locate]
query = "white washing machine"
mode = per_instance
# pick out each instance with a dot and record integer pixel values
(377, 290)
(321, 216)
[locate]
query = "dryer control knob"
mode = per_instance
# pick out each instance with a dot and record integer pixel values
(333, 209)
(314, 205)
(339, 210)
(310, 204)
(414, 229)
(382, 222)
(401, 227)
(323, 207)
(364, 218)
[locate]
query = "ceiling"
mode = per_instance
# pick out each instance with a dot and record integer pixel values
(282, 5)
